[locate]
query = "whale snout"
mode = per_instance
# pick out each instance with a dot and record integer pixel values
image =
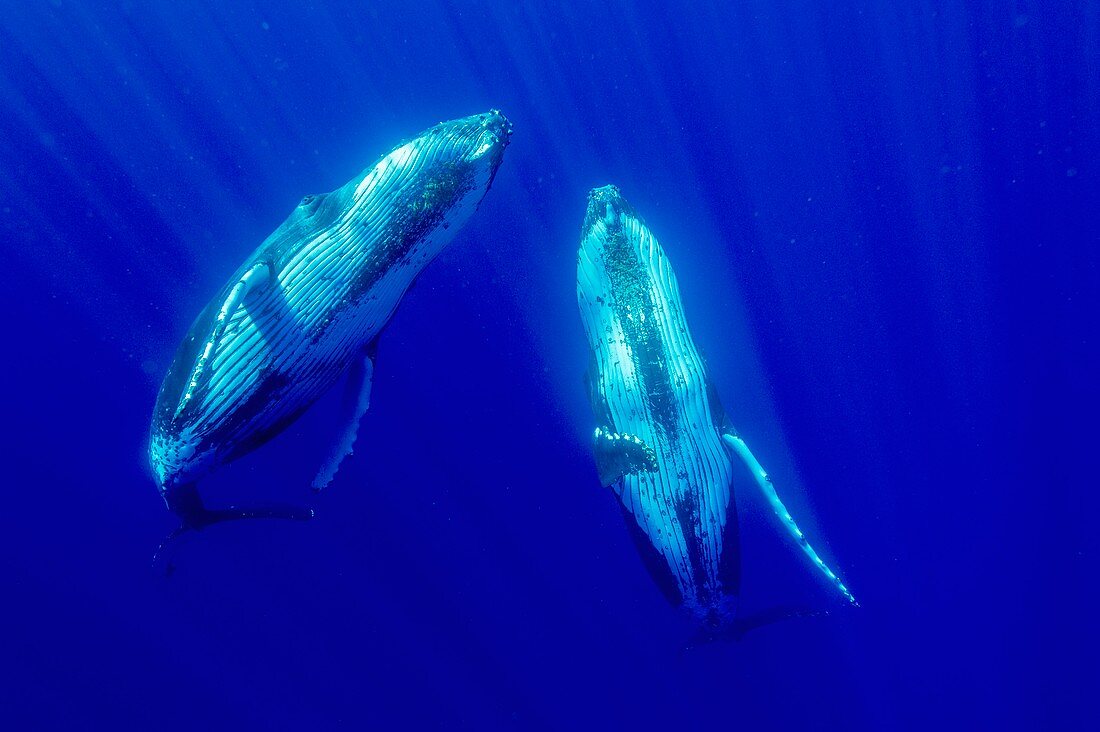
(604, 193)
(174, 456)
(493, 131)
(497, 125)
(479, 139)
(600, 199)
(606, 205)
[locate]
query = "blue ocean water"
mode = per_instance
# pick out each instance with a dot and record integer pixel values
(884, 221)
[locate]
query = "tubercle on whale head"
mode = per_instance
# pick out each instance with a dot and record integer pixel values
(499, 131)
(495, 122)
(174, 456)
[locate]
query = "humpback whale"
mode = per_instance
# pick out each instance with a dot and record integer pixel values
(663, 442)
(307, 307)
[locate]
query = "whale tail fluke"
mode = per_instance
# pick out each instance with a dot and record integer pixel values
(273, 511)
(736, 629)
(764, 481)
(185, 502)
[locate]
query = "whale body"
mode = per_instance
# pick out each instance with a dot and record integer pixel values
(662, 440)
(306, 307)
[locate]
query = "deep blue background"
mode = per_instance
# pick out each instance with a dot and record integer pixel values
(884, 219)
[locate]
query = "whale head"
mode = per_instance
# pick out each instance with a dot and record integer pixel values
(618, 262)
(478, 141)
(605, 202)
(617, 249)
(606, 213)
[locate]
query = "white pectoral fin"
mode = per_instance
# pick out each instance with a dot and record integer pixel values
(356, 402)
(256, 277)
(738, 446)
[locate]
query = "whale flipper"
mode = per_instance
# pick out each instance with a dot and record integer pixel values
(764, 481)
(355, 404)
(253, 280)
(620, 454)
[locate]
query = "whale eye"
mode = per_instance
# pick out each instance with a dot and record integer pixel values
(311, 203)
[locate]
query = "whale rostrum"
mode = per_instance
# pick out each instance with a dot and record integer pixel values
(308, 305)
(662, 441)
